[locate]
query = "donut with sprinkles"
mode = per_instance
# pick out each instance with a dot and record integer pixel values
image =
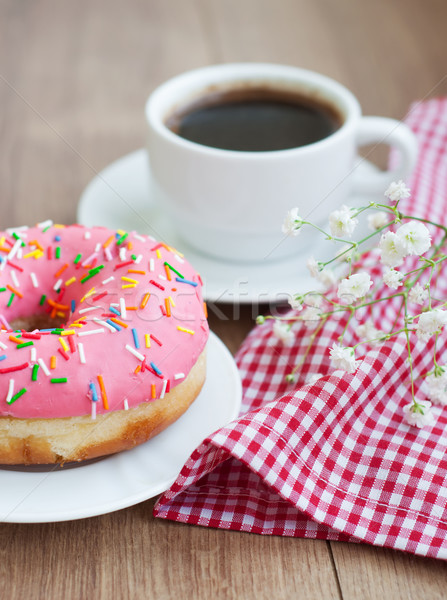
(102, 341)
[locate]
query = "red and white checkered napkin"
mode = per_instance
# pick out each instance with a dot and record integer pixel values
(333, 460)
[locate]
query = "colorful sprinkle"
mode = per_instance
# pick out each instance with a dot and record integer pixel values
(24, 345)
(134, 352)
(10, 391)
(156, 340)
(14, 290)
(103, 392)
(17, 396)
(34, 373)
(121, 239)
(122, 308)
(59, 380)
(167, 307)
(70, 281)
(14, 368)
(114, 325)
(81, 353)
(156, 369)
(145, 300)
(61, 270)
(168, 266)
(136, 341)
(180, 280)
(190, 331)
(43, 366)
(118, 322)
(90, 332)
(160, 287)
(93, 392)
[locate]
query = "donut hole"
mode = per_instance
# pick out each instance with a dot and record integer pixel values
(33, 322)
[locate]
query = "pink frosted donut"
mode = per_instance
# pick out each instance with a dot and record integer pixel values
(102, 341)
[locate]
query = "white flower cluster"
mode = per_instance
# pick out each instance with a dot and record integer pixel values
(354, 287)
(430, 323)
(283, 333)
(356, 291)
(378, 220)
(343, 358)
(324, 276)
(292, 223)
(419, 414)
(342, 223)
(411, 239)
(437, 387)
(368, 332)
(397, 190)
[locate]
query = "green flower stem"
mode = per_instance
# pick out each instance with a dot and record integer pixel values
(340, 339)
(407, 332)
(355, 244)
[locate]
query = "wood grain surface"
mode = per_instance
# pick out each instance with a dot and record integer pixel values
(74, 77)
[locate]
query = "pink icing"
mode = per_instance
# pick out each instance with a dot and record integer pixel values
(128, 380)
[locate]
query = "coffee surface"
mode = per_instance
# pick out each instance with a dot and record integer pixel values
(255, 120)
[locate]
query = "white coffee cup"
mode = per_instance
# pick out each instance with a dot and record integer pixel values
(231, 204)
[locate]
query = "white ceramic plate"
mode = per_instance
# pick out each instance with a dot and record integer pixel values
(120, 198)
(129, 477)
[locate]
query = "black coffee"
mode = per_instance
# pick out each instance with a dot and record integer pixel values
(255, 120)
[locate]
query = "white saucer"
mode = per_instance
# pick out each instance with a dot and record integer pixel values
(119, 198)
(129, 477)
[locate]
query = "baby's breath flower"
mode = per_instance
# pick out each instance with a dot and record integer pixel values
(354, 287)
(327, 278)
(437, 386)
(415, 238)
(418, 294)
(313, 377)
(296, 302)
(313, 266)
(290, 378)
(260, 319)
(392, 278)
(392, 249)
(283, 333)
(324, 276)
(431, 322)
(378, 219)
(342, 223)
(343, 358)
(397, 190)
(419, 414)
(314, 300)
(368, 332)
(292, 223)
(311, 316)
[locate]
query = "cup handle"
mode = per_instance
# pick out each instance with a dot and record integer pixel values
(380, 130)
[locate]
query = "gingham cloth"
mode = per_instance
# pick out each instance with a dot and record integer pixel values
(333, 460)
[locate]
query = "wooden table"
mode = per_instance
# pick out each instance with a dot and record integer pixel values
(74, 77)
